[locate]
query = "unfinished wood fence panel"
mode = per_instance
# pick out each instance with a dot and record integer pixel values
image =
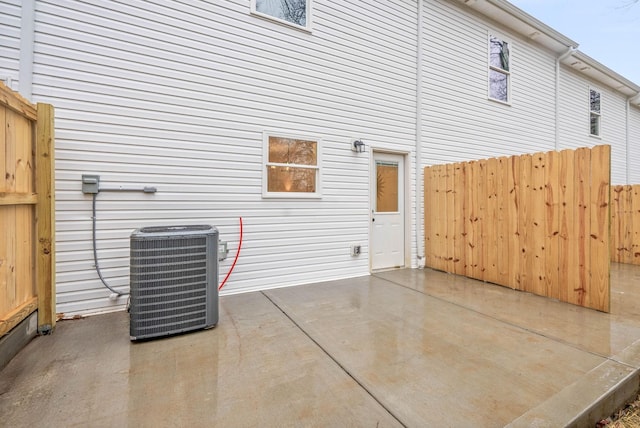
(625, 224)
(537, 222)
(552, 222)
(23, 211)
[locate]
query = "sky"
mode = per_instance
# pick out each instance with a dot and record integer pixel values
(606, 30)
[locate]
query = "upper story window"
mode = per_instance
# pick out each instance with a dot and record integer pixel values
(499, 69)
(291, 167)
(292, 12)
(594, 113)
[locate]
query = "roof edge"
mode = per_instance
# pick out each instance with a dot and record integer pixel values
(577, 60)
(534, 22)
(604, 73)
(515, 18)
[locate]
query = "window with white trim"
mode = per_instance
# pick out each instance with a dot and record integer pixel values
(595, 112)
(499, 69)
(291, 12)
(291, 166)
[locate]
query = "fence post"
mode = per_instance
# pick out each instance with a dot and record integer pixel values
(45, 219)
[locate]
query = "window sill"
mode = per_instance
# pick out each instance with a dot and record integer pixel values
(282, 22)
(504, 103)
(597, 137)
(290, 196)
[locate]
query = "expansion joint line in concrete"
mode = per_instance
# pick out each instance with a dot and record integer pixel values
(343, 368)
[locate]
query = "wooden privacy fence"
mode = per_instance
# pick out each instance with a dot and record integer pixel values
(625, 224)
(26, 212)
(537, 223)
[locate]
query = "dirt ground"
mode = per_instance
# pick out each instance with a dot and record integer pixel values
(627, 417)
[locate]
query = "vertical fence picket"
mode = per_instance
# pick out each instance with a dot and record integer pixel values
(481, 223)
(3, 151)
(552, 224)
(625, 225)
(514, 213)
(567, 245)
(476, 221)
(599, 228)
(617, 241)
(537, 225)
(450, 218)
(581, 226)
(635, 225)
(459, 218)
(524, 217)
(490, 223)
(441, 229)
(428, 214)
(470, 215)
(502, 220)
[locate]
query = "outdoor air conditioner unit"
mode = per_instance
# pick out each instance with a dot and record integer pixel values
(174, 280)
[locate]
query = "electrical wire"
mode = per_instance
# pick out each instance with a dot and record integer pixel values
(234, 260)
(95, 251)
(120, 293)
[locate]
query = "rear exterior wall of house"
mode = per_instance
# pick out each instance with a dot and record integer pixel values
(10, 42)
(633, 160)
(179, 95)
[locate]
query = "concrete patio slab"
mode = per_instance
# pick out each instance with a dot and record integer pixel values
(399, 348)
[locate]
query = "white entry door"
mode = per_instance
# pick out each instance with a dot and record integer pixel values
(387, 211)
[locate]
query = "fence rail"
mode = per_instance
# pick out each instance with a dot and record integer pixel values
(26, 212)
(625, 224)
(537, 223)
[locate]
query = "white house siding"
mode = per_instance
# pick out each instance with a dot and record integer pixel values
(459, 122)
(634, 145)
(10, 42)
(177, 94)
(574, 119)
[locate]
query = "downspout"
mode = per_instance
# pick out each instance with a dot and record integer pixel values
(559, 59)
(419, 190)
(634, 99)
(27, 40)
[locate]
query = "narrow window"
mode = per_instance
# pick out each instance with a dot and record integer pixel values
(292, 12)
(291, 167)
(499, 69)
(594, 113)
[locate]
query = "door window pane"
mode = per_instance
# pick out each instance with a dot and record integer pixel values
(386, 186)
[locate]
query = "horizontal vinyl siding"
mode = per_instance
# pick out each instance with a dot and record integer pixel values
(614, 124)
(459, 122)
(574, 120)
(177, 95)
(10, 41)
(633, 159)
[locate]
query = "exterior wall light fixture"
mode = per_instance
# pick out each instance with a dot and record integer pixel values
(357, 146)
